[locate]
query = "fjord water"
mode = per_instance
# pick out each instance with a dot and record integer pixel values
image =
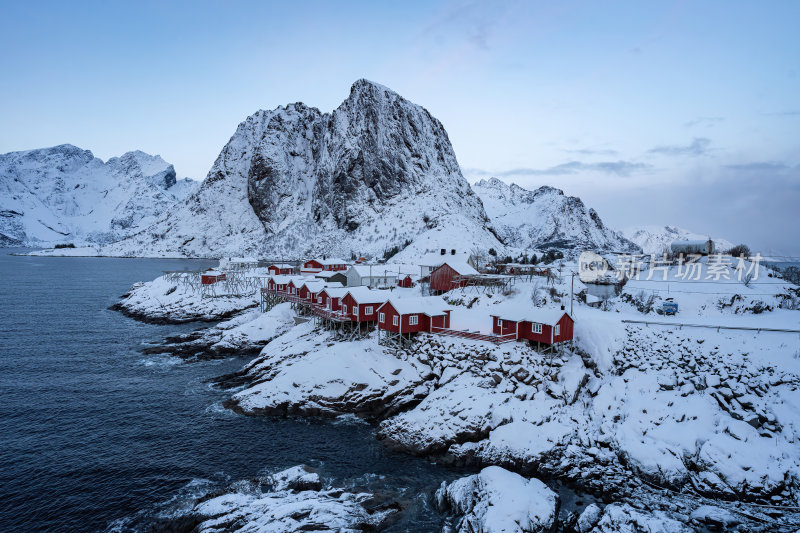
(95, 435)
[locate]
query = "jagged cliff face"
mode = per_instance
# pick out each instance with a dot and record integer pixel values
(66, 194)
(546, 218)
(376, 172)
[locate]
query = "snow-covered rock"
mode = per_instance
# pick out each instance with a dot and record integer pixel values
(656, 239)
(65, 194)
(623, 518)
(496, 500)
(294, 181)
(546, 218)
(168, 301)
(291, 500)
(306, 371)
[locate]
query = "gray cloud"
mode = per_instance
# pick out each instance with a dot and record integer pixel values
(760, 166)
(590, 151)
(784, 114)
(699, 146)
(619, 168)
(704, 121)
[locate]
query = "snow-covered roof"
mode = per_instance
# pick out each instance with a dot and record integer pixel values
(539, 315)
(335, 292)
(315, 285)
(461, 267)
(427, 305)
(281, 265)
(367, 295)
(333, 261)
(437, 259)
(325, 274)
(374, 271)
(689, 243)
(281, 280)
(243, 260)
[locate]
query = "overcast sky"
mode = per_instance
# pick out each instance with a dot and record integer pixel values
(681, 113)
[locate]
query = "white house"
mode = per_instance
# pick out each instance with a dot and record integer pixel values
(375, 276)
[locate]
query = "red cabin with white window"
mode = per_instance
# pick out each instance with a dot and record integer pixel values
(278, 284)
(450, 276)
(330, 298)
(414, 315)
(313, 266)
(309, 290)
(545, 326)
(360, 304)
(211, 277)
(281, 269)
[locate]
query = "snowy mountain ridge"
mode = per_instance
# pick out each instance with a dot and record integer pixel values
(376, 173)
(66, 194)
(656, 239)
(546, 218)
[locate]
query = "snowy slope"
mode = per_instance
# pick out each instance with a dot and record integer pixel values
(376, 172)
(66, 194)
(546, 218)
(656, 239)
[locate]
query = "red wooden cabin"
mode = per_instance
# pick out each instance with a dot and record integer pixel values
(278, 283)
(414, 315)
(545, 326)
(448, 276)
(312, 266)
(331, 298)
(318, 265)
(211, 277)
(360, 304)
(309, 290)
(406, 282)
(281, 269)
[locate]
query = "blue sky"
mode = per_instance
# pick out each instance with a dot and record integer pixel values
(683, 113)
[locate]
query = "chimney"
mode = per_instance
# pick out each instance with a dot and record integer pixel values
(562, 307)
(453, 251)
(443, 252)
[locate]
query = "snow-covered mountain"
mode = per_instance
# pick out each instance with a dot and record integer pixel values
(546, 218)
(656, 239)
(66, 194)
(375, 173)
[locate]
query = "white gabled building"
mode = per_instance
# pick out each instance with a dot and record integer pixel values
(430, 262)
(374, 276)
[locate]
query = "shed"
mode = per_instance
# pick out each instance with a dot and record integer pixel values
(405, 281)
(278, 283)
(211, 277)
(414, 315)
(308, 291)
(361, 304)
(546, 326)
(448, 276)
(371, 276)
(332, 277)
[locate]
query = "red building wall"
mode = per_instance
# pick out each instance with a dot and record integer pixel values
(423, 324)
(312, 264)
(272, 269)
(509, 326)
(443, 279)
(362, 316)
(405, 282)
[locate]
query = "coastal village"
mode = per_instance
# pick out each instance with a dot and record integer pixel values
(668, 381)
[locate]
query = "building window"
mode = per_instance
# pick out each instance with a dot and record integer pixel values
(557, 331)
(355, 310)
(537, 328)
(319, 299)
(395, 320)
(381, 318)
(344, 308)
(368, 310)
(500, 322)
(413, 320)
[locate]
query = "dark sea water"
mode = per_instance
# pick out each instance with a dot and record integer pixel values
(93, 434)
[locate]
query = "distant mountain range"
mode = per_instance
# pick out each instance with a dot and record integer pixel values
(65, 194)
(656, 239)
(377, 174)
(546, 218)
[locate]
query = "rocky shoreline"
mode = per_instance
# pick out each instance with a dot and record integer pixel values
(609, 424)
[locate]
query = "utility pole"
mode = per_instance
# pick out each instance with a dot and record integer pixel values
(571, 293)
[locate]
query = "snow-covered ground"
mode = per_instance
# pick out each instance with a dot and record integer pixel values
(662, 420)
